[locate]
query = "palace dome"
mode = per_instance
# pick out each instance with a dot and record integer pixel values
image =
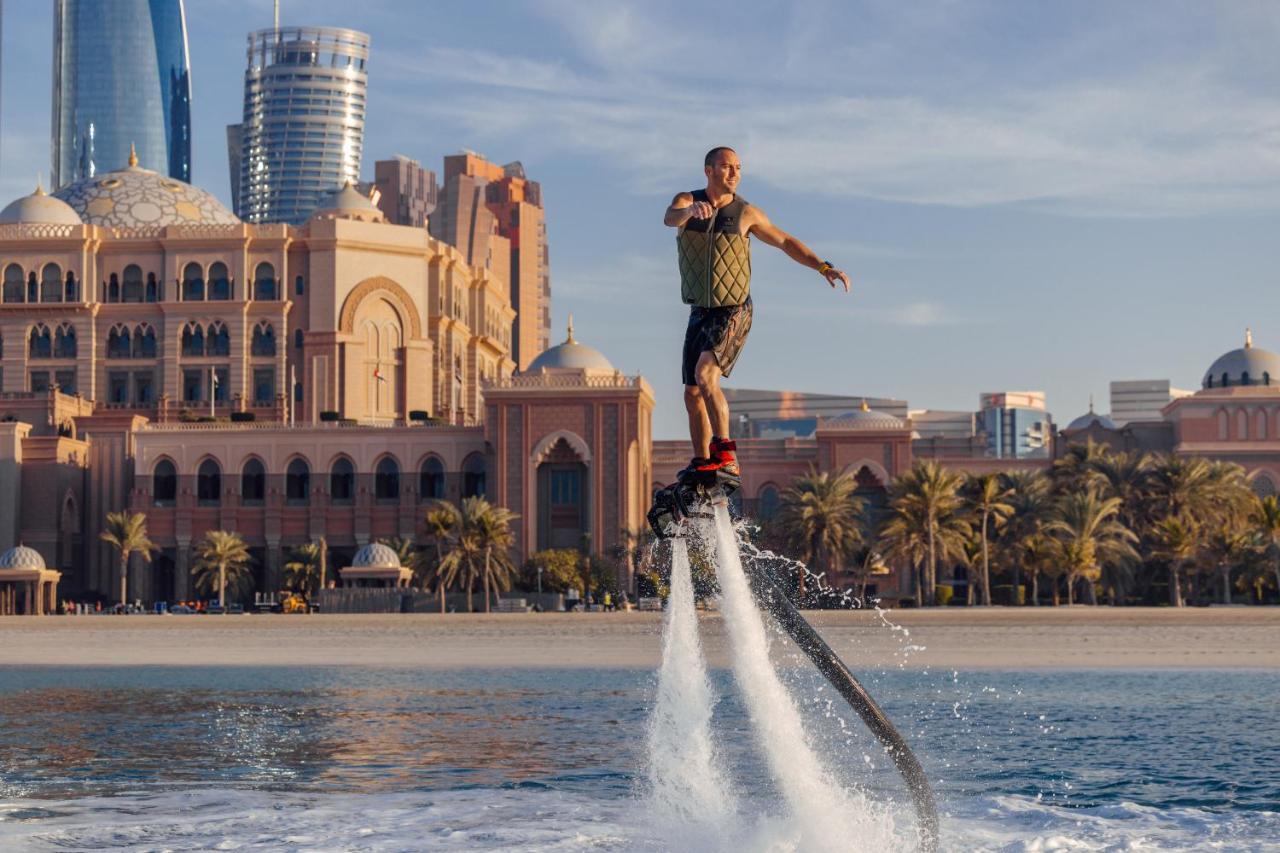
(346, 202)
(134, 197)
(39, 208)
(863, 418)
(21, 557)
(1248, 365)
(375, 555)
(570, 355)
(1090, 418)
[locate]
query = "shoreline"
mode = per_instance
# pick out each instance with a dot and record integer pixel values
(1063, 638)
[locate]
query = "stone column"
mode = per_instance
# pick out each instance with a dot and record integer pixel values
(182, 572)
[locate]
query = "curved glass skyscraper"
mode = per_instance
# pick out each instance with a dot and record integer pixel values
(121, 77)
(303, 130)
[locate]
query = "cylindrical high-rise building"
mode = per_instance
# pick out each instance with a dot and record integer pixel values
(303, 129)
(121, 78)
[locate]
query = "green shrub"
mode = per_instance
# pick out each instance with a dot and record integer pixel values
(942, 595)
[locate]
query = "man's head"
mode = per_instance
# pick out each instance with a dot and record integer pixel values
(723, 169)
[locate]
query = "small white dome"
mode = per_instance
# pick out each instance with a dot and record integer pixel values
(346, 202)
(1246, 366)
(570, 355)
(39, 208)
(375, 555)
(863, 418)
(21, 557)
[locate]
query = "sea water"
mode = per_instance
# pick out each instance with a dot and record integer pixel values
(200, 758)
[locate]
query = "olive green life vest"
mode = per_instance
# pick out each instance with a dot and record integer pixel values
(715, 260)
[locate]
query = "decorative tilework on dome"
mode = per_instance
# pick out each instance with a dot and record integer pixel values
(136, 197)
(21, 557)
(375, 555)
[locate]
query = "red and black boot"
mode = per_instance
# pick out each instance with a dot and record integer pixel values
(724, 455)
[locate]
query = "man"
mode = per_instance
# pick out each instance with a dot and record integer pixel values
(713, 244)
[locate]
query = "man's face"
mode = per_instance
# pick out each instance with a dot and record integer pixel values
(725, 170)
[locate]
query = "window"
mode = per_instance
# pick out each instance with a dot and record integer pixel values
(297, 482)
(264, 340)
(299, 286)
(143, 388)
(133, 291)
(192, 283)
(473, 484)
(64, 341)
(431, 479)
(13, 283)
(164, 483)
(342, 481)
(39, 381)
(264, 386)
(1242, 425)
(264, 282)
(253, 483)
(565, 487)
(51, 283)
(386, 480)
(209, 484)
(118, 387)
(193, 385)
(219, 340)
(144, 342)
(153, 289)
(33, 289)
(1226, 379)
(66, 381)
(297, 339)
(219, 282)
(1222, 425)
(71, 292)
(1244, 378)
(113, 288)
(221, 384)
(768, 501)
(192, 340)
(118, 343)
(41, 342)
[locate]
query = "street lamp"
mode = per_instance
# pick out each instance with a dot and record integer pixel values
(539, 580)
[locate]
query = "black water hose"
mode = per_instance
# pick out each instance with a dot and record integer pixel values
(771, 598)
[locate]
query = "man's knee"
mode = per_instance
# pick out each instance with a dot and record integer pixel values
(708, 376)
(692, 395)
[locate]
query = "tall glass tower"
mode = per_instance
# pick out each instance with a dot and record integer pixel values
(121, 77)
(303, 129)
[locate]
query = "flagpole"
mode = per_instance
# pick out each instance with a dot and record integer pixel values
(213, 392)
(293, 384)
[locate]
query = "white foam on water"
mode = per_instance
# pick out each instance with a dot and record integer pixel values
(686, 786)
(828, 815)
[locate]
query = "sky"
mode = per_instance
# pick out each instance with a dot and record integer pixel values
(1027, 196)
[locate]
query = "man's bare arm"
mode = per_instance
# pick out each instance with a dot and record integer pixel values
(683, 208)
(772, 235)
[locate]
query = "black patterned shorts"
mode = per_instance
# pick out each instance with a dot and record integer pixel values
(720, 331)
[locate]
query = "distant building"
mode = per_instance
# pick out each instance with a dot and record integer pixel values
(303, 130)
(1142, 399)
(407, 193)
(1016, 424)
(794, 414)
(121, 79)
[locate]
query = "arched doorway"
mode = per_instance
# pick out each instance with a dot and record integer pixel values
(563, 516)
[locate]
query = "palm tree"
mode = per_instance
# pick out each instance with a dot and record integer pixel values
(1228, 548)
(931, 494)
(988, 501)
(1124, 476)
(490, 529)
(1266, 527)
(1088, 535)
(1176, 542)
(1036, 552)
(127, 533)
(821, 516)
(1076, 470)
(407, 551)
(442, 523)
(1030, 498)
(222, 559)
(302, 572)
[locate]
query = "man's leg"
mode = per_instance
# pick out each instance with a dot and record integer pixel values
(699, 425)
(714, 404)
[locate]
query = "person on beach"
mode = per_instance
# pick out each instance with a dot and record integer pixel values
(714, 226)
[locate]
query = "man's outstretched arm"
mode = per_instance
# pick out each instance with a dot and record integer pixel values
(774, 236)
(683, 208)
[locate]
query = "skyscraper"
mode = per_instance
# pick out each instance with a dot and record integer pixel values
(121, 77)
(407, 192)
(1016, 424)
(303, 129)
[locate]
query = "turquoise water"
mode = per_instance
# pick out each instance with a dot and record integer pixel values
(157, 758)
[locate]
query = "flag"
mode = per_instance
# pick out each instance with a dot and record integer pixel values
(377, 374)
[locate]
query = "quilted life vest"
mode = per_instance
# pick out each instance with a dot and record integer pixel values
(715, 260)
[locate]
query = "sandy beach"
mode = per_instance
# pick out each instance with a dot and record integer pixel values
(1064, 638)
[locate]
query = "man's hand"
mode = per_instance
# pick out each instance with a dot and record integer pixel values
(701, 210)
(832, 275)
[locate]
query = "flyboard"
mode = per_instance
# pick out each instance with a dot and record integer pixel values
(691, 497)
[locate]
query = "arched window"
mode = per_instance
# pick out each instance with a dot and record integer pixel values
(1266, 378)
(264, 282)
(264, 339)
(209, 484)
(219, 282)
(1244, 378)
(1226, 379)
(132, 284)
(1223, 422)
(113, 288)
(164, 483)
(51, 283)
(768, 501)
(297, 482)
(1263, 486)
(118, 345)
(71, 293)
(219, 339)
(1208, 381)
(297, 339)
(473, 476)
(253, 483)
(431, 479)
(342, 481)
(153, 289)
(13, 283)
(1242, 425)
(192, 340)
(299, 286)
(33, 287)
(192, 283)
(297, 393)
(64, 341)
(40, 343)
(386, 480)
(1260, 421)
(144, 342)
